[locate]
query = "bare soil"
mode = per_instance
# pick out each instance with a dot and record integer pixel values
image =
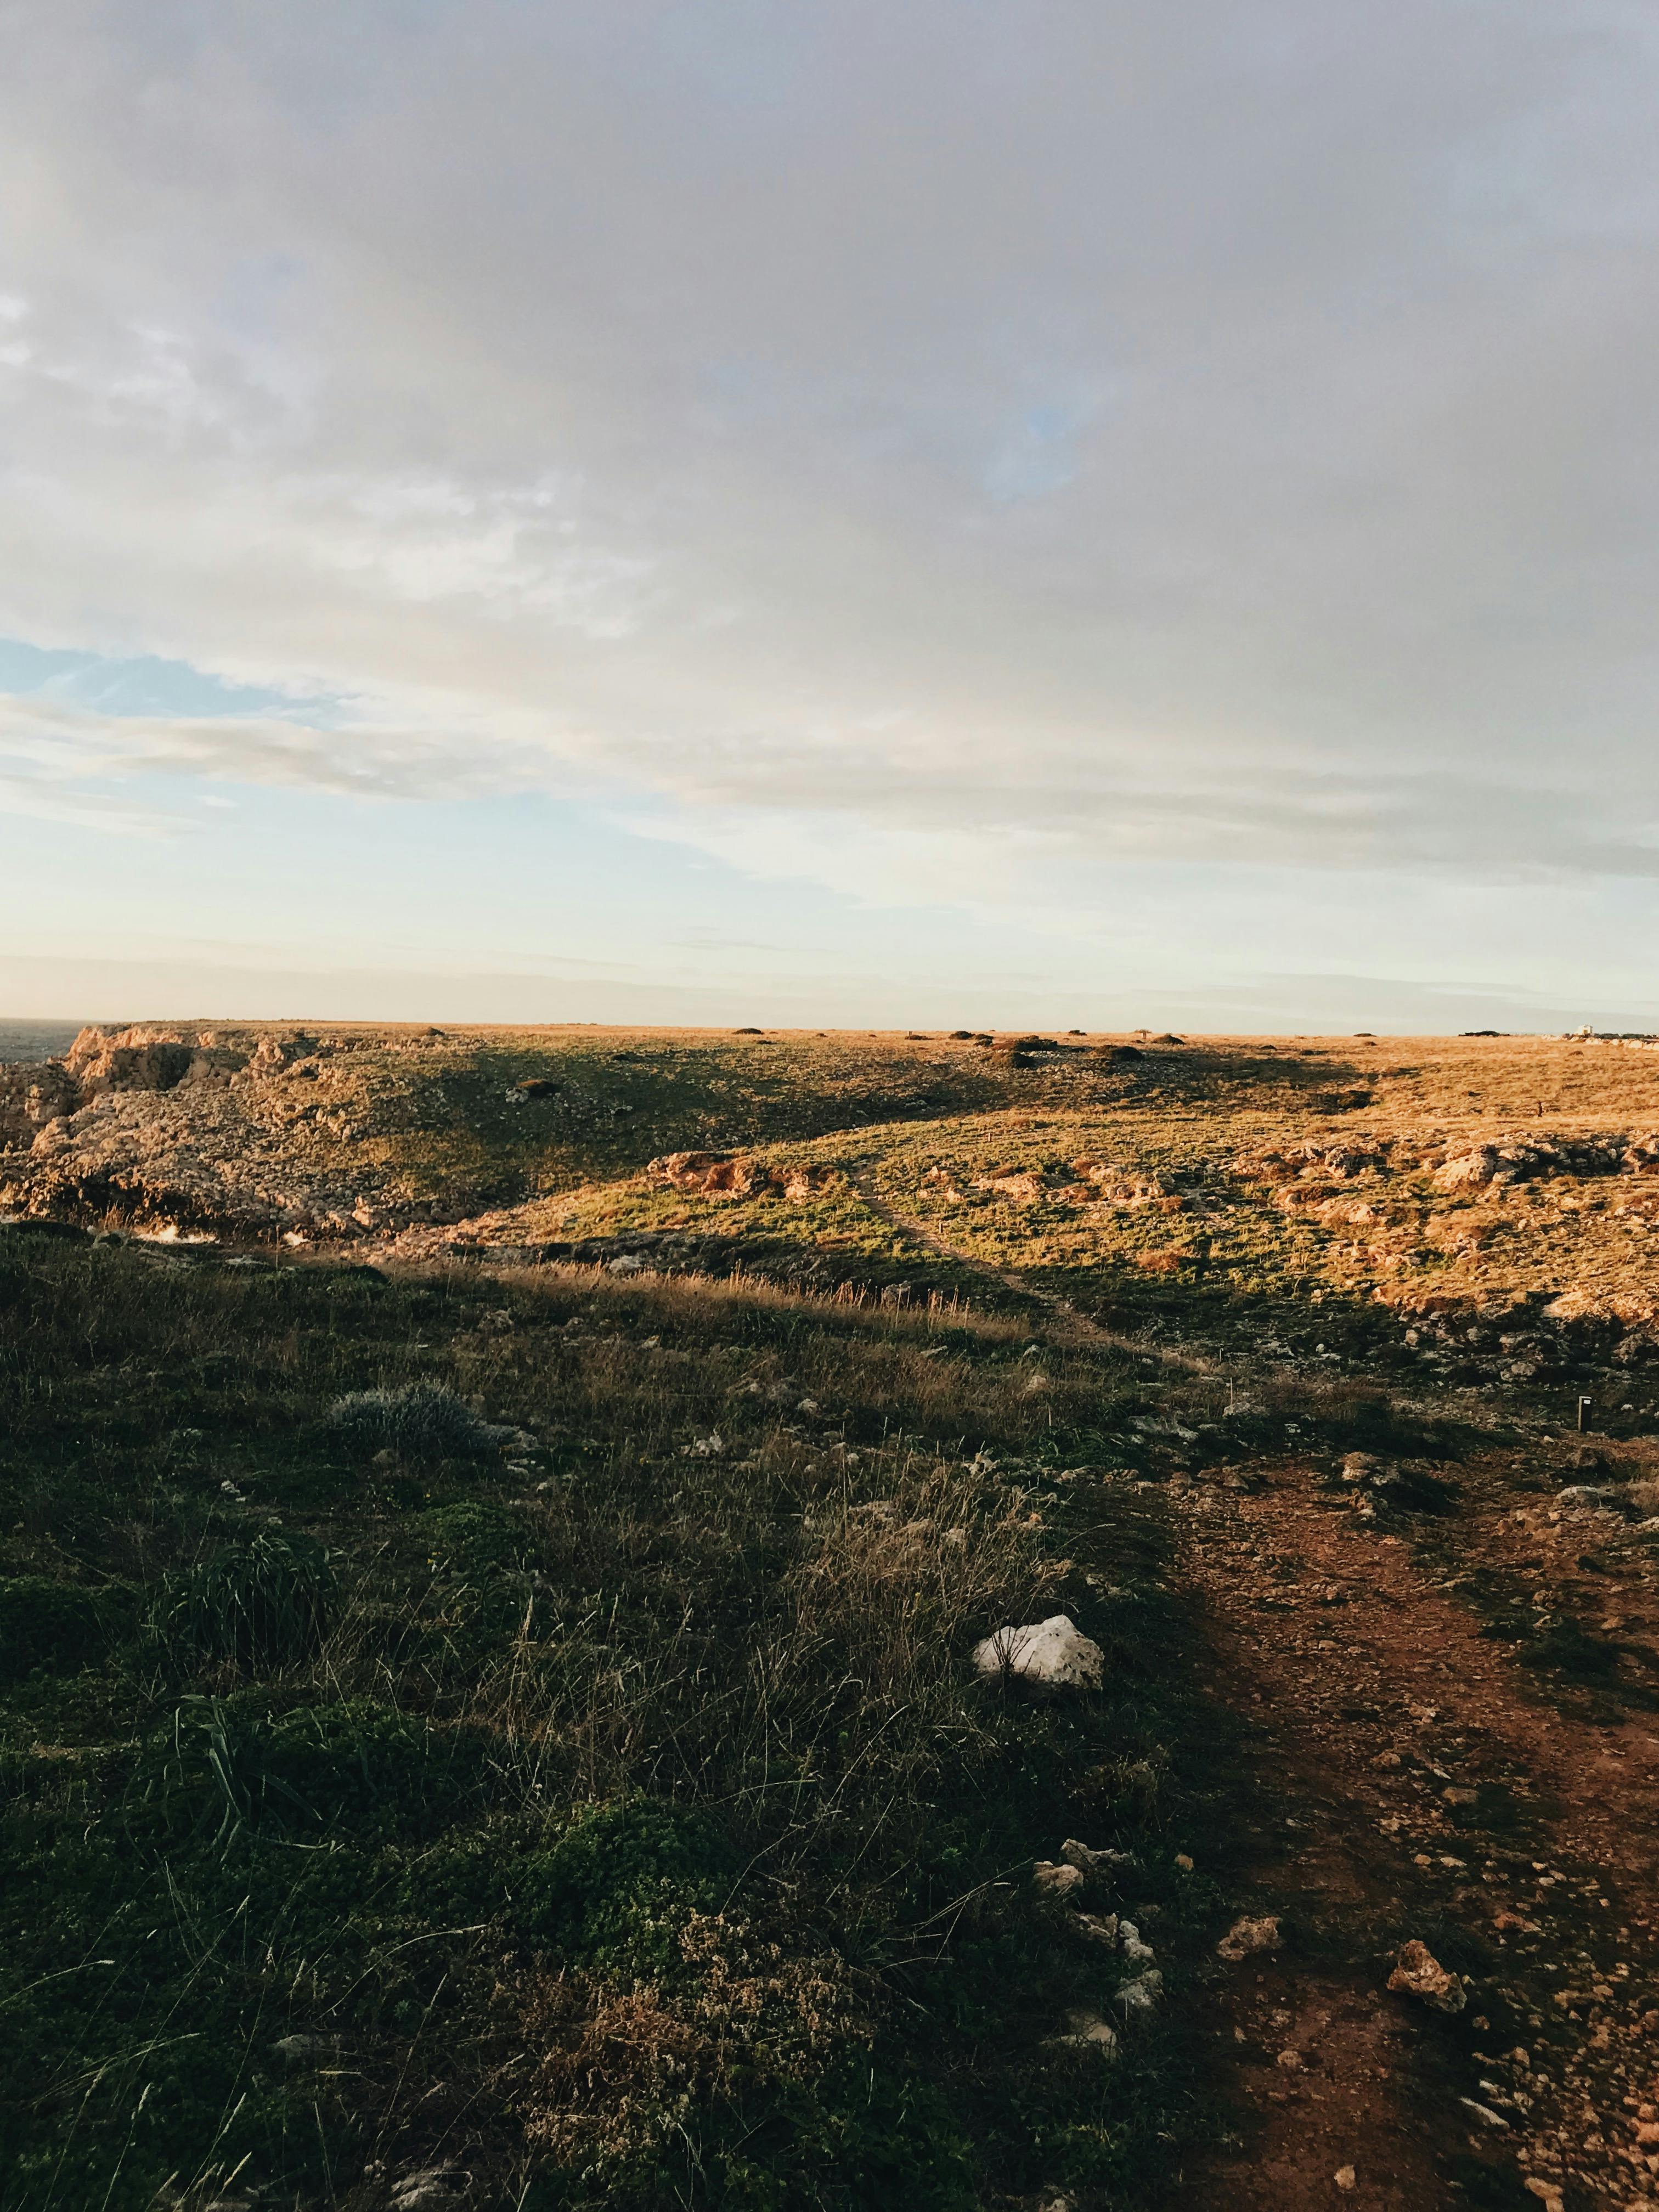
(1430, 1785)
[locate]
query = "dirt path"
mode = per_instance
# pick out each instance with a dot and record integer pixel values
(1430, 1790)
(1428, 1785)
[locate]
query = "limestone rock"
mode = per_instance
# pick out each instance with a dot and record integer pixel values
(1053, 1655)
(433, 2188)
(1098, 1862)
(1135, 1950)
(1247, 1935)
(1419, 1973)
(1097, 1927)
(1087, 2031)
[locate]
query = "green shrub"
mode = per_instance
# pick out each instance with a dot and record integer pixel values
(266, 1603)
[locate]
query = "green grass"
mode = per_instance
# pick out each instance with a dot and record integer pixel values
(613, 1811)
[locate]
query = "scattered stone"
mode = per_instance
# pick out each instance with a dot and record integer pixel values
(1055, 1880)
(723, 1175)
(1419, 1973)
(1246, 1935)
(1053, 1655)
(1092, 1862)
(1087, 2031)
(1089, 1860)
(1143, 1993)
(433, 2188)
(1344, 2178)
(1097, 1927)
(298, 2050)
(1484, 2113)
(1591, 1497)
(1291, 2061)
(1137, 1953)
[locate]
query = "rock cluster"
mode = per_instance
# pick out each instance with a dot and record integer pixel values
(725, 1175)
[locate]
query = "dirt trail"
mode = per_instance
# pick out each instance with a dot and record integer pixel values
(1426, 1783)
(1431, 1790)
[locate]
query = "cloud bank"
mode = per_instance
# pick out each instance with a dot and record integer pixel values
(1040, 458)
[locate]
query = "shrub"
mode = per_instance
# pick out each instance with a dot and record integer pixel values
(266, 1603)
(422, 1422)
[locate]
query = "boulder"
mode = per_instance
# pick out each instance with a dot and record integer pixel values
(32, 1094)
(1052, 1655)
(1468, 1170)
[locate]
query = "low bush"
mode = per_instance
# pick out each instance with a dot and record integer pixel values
(262, 1603)
(421, 1422)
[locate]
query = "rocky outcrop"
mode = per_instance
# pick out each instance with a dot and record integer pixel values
(34, 1095)
(723, 1174)
(156, 1130)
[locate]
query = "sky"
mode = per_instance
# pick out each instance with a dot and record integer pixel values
(1055, 513)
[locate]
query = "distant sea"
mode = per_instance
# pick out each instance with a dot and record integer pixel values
(35, 1040)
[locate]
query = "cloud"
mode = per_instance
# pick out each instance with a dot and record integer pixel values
(949, 452)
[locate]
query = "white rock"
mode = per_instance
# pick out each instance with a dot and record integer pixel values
(1053, 1655)
(1142, 1994)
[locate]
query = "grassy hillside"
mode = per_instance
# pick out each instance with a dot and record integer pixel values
(605, 1805)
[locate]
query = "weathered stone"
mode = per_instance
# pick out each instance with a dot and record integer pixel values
(1052, 1655)
(1247, 1935)
(1419, 1973)
(1087, 2031)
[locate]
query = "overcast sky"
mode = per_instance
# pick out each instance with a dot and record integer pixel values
(1046, 511)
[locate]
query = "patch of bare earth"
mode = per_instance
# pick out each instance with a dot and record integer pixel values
(1429, 1789)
